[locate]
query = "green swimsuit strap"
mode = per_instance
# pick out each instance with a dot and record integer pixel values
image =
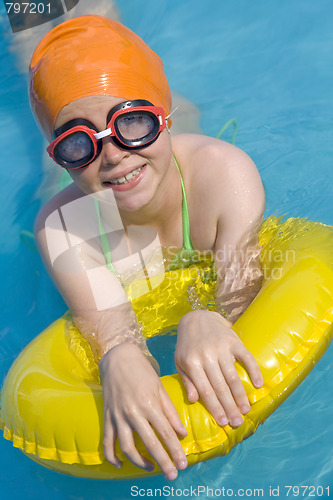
(186, 220)
(104, 240)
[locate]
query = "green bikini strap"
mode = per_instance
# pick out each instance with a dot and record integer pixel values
(186, 220)
(104, 240)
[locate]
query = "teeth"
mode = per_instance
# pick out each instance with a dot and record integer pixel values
(127, 178)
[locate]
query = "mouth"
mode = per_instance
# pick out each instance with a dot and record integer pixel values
(127, 178)
(127, 181)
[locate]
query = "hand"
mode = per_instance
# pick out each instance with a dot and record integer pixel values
(135, 400)
(205, 357)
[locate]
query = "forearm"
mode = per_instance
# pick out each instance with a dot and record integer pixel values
(109, 328)
(238, 284)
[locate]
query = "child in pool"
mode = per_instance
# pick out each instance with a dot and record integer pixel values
(101, 97)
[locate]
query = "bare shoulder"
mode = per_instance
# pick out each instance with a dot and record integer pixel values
(66, 223)
(213, 156)
(219, 169)
(67, 195)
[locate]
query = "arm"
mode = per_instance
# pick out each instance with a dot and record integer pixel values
(237, 250)
(134, 398)
(97, 301)
(207, 348)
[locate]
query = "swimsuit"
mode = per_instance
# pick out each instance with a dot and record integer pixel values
(182, 260)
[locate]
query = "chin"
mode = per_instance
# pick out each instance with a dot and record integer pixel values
(131, 206)
(132, 203)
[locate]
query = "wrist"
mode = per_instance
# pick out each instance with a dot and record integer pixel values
(202, 313)
(223, 319)
(119, 352)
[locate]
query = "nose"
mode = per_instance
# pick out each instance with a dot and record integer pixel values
(112, 154)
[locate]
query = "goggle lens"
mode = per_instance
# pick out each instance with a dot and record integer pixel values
(135, 126)
(75, 147)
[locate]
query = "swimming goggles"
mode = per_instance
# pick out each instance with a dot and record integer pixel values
(131, 124)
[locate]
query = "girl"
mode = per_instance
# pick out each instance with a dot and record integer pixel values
(101, 97)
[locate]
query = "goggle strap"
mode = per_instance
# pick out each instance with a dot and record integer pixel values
(104, 133)
(172, 112)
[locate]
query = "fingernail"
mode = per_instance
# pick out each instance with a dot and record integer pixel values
(245, 408)
(223, 421)
(150, 467)
(237, 422)
(182, 464)
(117, 465)
(259, 383)
(172, 475)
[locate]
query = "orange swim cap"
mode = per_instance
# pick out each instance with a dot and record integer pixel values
(93, 55)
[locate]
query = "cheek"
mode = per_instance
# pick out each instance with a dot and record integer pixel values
(85, 178)
(161, 150)
(165, 140)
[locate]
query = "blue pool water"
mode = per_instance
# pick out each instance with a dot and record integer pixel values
(270, 66)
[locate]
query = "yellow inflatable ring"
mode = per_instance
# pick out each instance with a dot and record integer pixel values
(51, 400)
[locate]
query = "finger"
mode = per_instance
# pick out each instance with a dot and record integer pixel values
(209, 397)
(169, 437)
(191, 390)
(171, 413)
(154, 446)
(215, 375)
(251, 365)
(236, 387)
(109, 440)
(127, 444)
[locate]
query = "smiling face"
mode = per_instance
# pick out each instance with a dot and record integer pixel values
(135, 176)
